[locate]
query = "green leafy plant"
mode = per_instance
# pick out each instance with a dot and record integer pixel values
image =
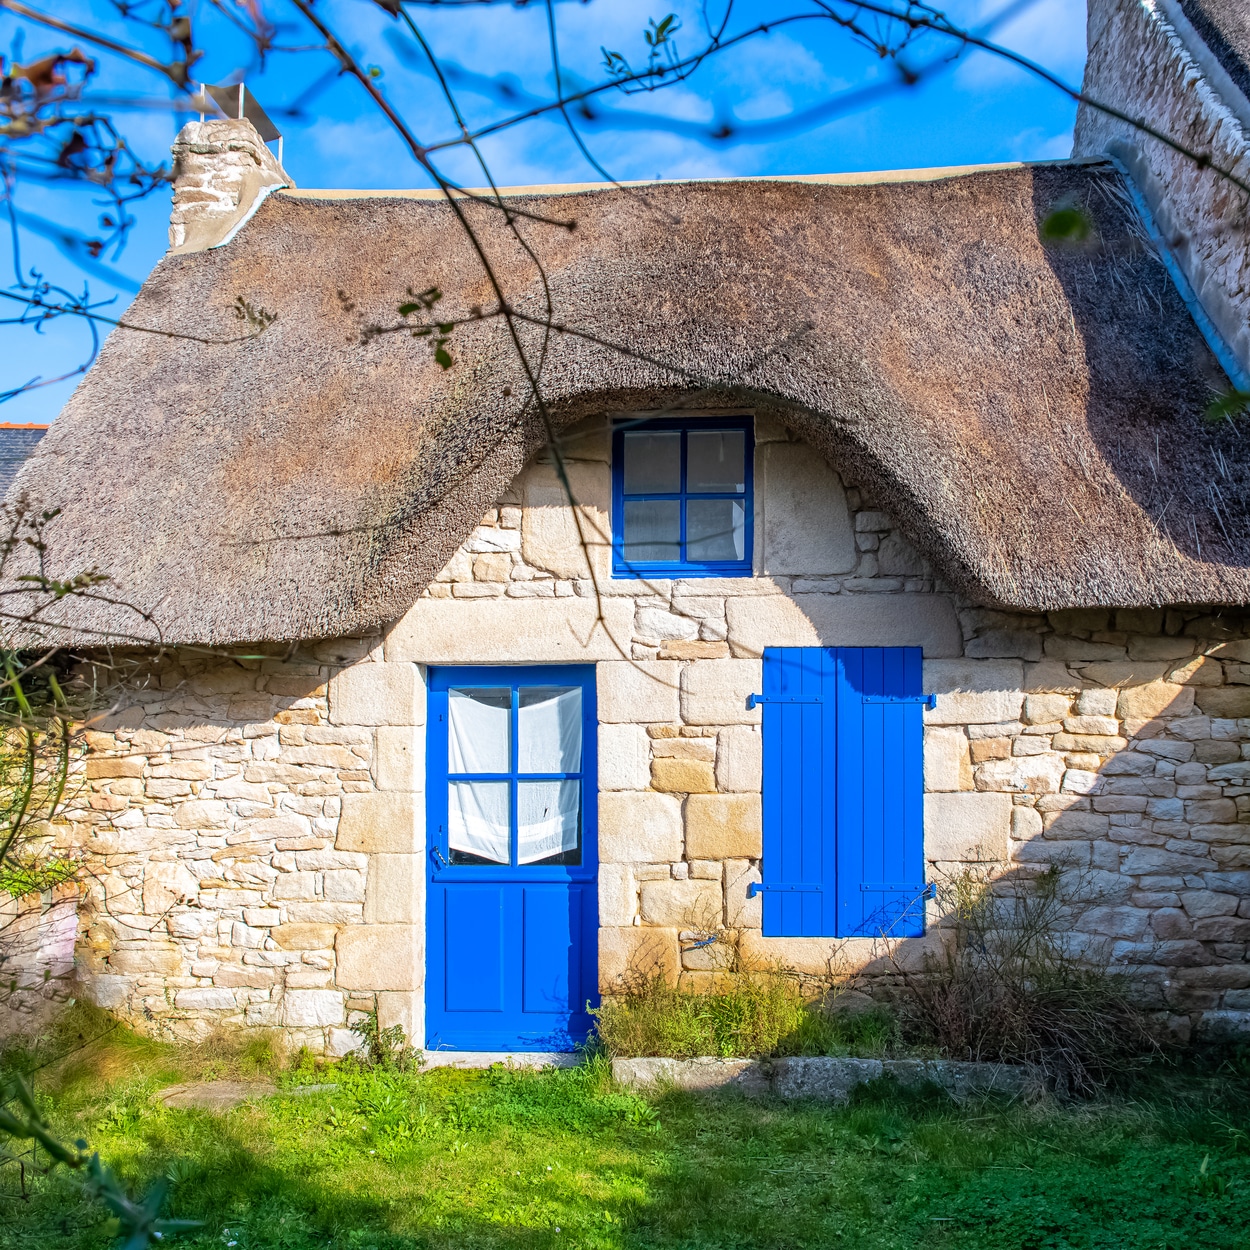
(384, 1047)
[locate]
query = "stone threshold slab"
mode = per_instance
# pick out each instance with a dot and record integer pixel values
(488, 1058)
(828, 1079)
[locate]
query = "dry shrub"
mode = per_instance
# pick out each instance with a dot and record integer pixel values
(1013, 986)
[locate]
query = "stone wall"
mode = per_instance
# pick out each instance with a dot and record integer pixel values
(259, 824)
(1147, 61)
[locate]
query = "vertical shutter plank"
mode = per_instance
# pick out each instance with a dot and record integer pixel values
(811, 774)
(849, 787)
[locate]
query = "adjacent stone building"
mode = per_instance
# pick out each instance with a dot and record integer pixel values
(880, 416)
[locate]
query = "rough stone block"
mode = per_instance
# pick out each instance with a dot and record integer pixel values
(153, 957)
(205, 999)
(1118, 674)
(714, 692)
(966, 827)
(686, 904)
(377, 694)
(665, 626)
(742, 912)
(724, 826)
(398, 758)
(312, 1008)
(344, 885)
(639, 828)
(1026, 822)
(553, 537)
(200, 814)
(165, 885)
(803, 523)
(947, 765)
(739, 759)
(405, 1009)
(1157, 698)
(628, 954)
(1107, 726)
(380, 957)
(638, 691)
(1224, 701)
(624, 753)
(618, 902)
(381, 822)
(843, 620)
(304, 937)
(395, 892)
(1034, 774)
(682, 776)
(513, 631)
(1046, 709)
(830, 1080)
(974, 692)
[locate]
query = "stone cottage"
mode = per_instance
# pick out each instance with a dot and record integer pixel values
(862, 534)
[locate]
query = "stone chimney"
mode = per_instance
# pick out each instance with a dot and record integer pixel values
(222, 172)
(1147, 60)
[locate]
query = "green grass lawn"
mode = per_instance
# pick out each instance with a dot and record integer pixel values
(562, 1159)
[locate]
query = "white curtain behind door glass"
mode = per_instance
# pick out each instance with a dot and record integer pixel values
(477, 819)
(549, 729)
(478, 730)
(547, 818)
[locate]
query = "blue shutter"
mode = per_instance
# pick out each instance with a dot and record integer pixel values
(843, 792)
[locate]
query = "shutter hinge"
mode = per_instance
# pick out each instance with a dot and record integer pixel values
(754, 700)
(918, 889)
(928, 700)
(786, 887)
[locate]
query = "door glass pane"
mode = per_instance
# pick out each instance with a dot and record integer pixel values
(715, 460)
(653, 463)
(478, 725)
(715, 529)
(549, 822)
(549, 729)
(652, 530)
(477, 822)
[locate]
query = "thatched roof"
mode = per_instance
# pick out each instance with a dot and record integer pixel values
(1031, 414)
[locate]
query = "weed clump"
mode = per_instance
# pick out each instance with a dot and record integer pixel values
(748, 1014)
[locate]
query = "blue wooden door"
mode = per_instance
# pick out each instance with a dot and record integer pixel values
(512, 904)
(843, 792)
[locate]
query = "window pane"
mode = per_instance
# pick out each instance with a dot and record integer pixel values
(478, 725)
(652, 530)
(549, 822)
(715, 460)
(653, 463)
(715, 529)
(549, 729)
(477, 822)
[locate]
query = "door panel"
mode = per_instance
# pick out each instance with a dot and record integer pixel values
(513, 894)
(474, 940)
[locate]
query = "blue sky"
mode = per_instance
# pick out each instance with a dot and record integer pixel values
(975, 108)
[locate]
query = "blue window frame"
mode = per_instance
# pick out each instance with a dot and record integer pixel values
(682, 497)
(512, 767)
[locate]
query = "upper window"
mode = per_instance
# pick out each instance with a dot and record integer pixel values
(681, 498)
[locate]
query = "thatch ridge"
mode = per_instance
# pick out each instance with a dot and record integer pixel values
(1031, 414)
